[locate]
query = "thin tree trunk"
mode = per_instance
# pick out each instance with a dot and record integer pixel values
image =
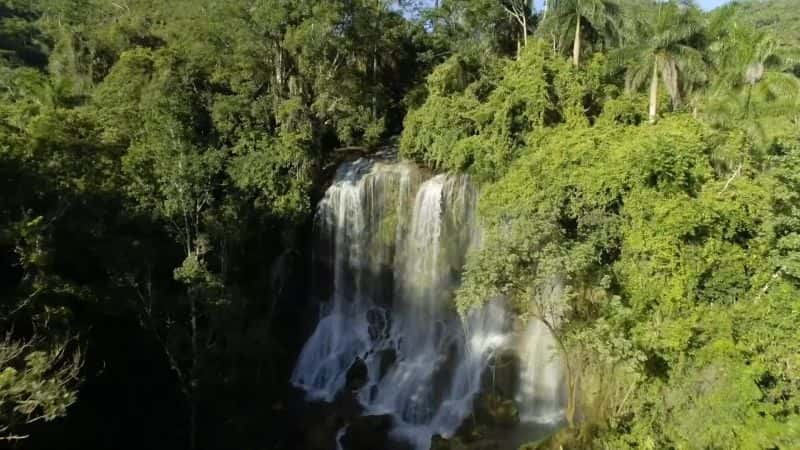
(374, 83)
(525, 30)
(279, 69)
(378, 27)
(654, 93)
(576, 47)
(748, 99)
(519, 14)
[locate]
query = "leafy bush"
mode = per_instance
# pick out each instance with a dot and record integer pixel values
(477, 115)
(661, 253)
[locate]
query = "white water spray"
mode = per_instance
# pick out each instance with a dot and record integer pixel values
(394, 247)
(541, 391)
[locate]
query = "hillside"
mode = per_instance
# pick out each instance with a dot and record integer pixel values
(781, 17)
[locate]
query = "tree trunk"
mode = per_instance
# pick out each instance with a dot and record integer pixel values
(654, 93)
(374, 83)
(525, 30)
(378, 27)
(279, 69)
(193, 375)
(748, 99)
(576, 47)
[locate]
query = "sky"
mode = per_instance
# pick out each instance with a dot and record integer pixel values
(711, 4)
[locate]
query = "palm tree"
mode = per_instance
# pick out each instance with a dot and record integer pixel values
(750, 62)
(666, 53)
(753, 88)
(568, 15)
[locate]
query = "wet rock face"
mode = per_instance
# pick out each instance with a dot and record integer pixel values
(379, 323)
(368, 433)
(322, 437)
(316, 424)
(498, 411)
(356, 375)
(387, 357)
(501, 376)
(440, 443)
(470, 431)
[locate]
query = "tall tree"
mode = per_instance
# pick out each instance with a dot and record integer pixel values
(571, 17)
(748, 61)
(667, 53)
(520, 11)
(463, 24)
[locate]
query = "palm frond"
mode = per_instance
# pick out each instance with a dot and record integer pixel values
(778, 86)
(639, 73)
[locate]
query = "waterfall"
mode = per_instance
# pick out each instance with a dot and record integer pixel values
(541, 393)
(392, 246)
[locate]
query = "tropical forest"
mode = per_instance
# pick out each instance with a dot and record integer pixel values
(399, 224)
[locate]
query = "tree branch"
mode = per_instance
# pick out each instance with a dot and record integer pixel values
(736, 173)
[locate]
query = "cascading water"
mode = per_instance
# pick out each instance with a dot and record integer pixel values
(357, 220)
(541, 391)
(394, 246)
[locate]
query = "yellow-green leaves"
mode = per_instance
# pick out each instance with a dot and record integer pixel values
(672, 241)
(35, 383)
(480, 112)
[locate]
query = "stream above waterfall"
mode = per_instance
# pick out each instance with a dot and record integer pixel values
(391, 245)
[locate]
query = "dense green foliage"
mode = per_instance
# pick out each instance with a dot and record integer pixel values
(639, 166)
(478, 121)
(158, 164)
(661, 255)
(670, 246)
